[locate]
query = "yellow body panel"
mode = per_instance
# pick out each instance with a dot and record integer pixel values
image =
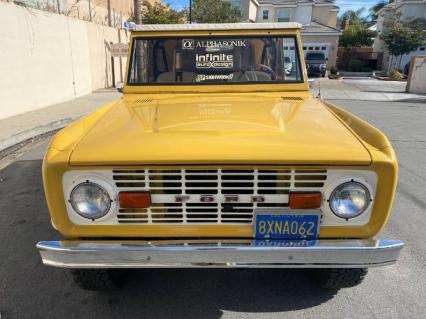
(232, 125)
(261, 128)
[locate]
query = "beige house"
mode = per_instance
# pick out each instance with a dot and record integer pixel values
(318, 17)
(410, 10)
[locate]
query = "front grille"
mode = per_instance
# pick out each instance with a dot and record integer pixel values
(217, 186)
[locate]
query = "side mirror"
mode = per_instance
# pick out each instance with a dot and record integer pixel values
(119, 86)
(311, 83)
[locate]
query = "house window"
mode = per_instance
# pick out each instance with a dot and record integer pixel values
(283, 15)
(311, 48)
(265, 14)
(422, 49)
(323, 48)
(317, 48)
(304, 48)
(236, 4)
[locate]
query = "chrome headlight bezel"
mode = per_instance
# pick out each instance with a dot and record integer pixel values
(360, 210)
(103, 192)
(72, 178)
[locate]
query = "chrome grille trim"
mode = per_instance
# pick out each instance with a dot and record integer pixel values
(165, 184)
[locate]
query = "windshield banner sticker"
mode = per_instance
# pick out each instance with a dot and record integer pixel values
(214, 61)
(190, 44)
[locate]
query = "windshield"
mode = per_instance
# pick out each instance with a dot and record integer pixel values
(315, 56)
(198, 60)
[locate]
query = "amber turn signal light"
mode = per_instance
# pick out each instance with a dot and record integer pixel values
(304, 200)
(134, 199)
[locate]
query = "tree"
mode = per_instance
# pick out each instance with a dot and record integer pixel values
(402, 37)
(377, 7)
(356, 35)
(354, 16)
(138, 13)
(214, 11)
(160, 13)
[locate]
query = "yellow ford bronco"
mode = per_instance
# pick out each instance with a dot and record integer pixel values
(219, 156)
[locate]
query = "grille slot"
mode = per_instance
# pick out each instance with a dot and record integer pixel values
(291, 98)
(143, 100)
(164, 184)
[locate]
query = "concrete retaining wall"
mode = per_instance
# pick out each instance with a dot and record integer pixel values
(417, 76)
(47, 58)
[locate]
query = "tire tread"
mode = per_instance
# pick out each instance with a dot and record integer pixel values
(337, 278)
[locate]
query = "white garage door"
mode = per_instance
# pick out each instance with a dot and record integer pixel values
(317, 47)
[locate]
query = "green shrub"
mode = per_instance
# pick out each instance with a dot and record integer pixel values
(333, 76)
(395, 74)
(333, 70)
(355, 65)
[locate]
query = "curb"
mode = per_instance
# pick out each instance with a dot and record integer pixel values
(381, 78)
(33, 132)
(412, 100)
(346, 77)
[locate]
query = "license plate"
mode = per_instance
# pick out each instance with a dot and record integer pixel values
(288, 226)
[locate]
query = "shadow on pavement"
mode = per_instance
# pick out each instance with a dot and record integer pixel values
(30, 290)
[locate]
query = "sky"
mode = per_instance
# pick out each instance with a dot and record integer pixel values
(343, 4)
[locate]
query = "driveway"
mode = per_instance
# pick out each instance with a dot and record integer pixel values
(376, 86)
(30, 290)
(365, 89)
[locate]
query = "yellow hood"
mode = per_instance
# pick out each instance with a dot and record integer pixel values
(232, 128)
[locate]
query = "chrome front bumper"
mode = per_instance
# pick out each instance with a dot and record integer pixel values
(220, 253)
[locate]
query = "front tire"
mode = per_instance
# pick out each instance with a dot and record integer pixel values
(337, 278)
(98, 279)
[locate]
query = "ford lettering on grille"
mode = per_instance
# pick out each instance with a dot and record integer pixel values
(212, 196)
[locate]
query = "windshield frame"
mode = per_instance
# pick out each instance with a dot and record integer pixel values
(216, 36)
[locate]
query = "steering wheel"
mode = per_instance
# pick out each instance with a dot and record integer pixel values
(262, 67)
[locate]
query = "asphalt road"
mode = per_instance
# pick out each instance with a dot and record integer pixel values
(30, 290)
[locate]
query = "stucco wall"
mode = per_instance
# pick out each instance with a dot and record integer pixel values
(271, 16)
(323, 15)
(411, 11)
(417, 77)
(252, 11)
(48, 58)
(303, 14)
(249, 10)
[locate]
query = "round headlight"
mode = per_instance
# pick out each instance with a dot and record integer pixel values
(90, 200)
(349, 200)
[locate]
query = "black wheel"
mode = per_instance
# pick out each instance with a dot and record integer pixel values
(98, 279)
(337, 278)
